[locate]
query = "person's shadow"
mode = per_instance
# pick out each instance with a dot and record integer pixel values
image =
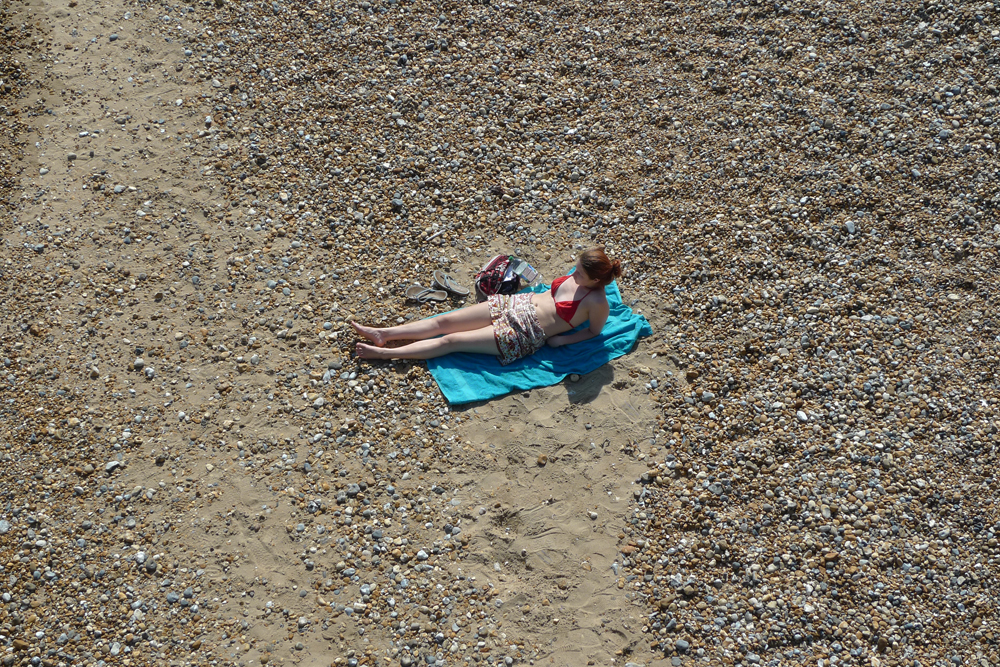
(589, 386)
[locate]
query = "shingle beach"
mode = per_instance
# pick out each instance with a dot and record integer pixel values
(797, 468)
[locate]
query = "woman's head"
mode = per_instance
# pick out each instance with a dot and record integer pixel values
(599, 267)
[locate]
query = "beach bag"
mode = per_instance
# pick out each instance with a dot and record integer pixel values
(497, 277)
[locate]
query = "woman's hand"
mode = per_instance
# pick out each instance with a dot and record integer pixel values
(555, 341)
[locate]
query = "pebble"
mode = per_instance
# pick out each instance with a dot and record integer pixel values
(771, 180)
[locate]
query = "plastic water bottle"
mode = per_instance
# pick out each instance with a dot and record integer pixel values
(526, 271)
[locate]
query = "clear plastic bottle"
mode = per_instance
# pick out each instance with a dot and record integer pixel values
(526, 271)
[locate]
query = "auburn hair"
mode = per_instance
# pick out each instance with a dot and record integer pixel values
(600, 267)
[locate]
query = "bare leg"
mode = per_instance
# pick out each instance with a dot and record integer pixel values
(481, 341)
(464, 319)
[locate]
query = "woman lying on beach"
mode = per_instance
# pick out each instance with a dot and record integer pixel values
(508, 327)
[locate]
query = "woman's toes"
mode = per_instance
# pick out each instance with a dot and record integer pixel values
(369, 334)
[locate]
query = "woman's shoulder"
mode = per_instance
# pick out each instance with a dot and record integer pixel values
(597, 296)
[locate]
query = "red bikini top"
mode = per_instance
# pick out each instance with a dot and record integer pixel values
(566, 309)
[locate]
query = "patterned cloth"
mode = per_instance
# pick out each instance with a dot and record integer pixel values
(515, 326)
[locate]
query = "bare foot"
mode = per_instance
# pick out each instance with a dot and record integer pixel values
(367, 351)
(369, 333)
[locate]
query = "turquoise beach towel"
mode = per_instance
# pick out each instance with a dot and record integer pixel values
(465, 377)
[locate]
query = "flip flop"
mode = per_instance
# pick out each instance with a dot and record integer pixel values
(444, 281)
(418, 292)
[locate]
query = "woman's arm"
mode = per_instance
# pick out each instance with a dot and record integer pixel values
(598, 317)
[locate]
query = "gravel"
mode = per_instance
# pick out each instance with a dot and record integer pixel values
(803, 199)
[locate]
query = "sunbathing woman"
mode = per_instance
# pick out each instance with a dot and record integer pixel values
(509, 327)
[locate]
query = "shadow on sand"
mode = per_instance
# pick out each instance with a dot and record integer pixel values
(589, 386)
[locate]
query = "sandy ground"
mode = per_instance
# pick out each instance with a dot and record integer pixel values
(187, 456)
(117, 117)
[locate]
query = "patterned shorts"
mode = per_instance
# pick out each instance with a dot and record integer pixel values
(516, 327)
